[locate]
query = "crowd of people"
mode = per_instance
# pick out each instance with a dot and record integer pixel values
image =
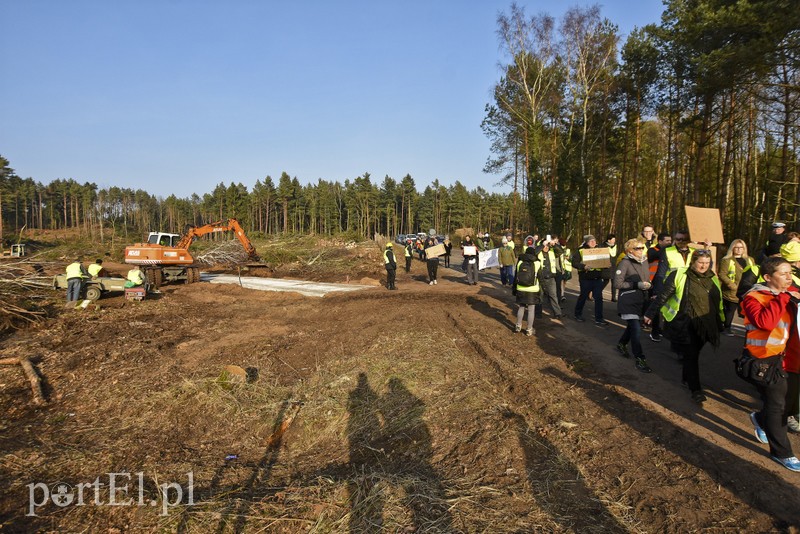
(669, 285)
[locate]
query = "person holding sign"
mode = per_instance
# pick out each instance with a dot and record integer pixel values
(590, 280)
(470, 253)
(432, 260)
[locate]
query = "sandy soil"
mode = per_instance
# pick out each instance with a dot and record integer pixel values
(408, 410)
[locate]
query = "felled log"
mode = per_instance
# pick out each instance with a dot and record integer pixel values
(33, 377)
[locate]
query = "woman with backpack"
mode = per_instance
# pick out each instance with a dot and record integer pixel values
(526, 288)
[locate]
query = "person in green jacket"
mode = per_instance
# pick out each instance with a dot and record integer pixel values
(508, 259)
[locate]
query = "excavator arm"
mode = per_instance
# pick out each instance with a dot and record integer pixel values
(219, 226)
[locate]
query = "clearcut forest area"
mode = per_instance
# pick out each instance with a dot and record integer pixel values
(416, 410)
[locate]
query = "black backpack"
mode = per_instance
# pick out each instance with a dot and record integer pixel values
(526, 275)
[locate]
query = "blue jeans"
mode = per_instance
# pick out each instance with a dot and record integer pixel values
(507, 274)
(631, 334)
(74, 289)
(595, 287)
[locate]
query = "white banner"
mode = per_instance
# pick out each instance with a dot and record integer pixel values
(488, 258)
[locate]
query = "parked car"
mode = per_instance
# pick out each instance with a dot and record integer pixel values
(401, 238)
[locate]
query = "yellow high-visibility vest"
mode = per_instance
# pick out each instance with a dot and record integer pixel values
(670, 309)
(74, 270)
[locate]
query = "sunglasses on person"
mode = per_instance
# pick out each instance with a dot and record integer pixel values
(638, 248)
(702, 252)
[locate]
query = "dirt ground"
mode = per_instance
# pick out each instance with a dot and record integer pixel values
(415, 410)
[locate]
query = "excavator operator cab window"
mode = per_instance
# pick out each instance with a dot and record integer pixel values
(164, 241)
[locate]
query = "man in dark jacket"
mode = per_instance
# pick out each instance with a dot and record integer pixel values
(591, 282)
(777, 238)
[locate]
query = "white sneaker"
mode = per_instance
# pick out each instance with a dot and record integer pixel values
(431, 283)
(793, 424)
(435, 282)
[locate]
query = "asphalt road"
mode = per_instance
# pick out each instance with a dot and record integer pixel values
(716, 366)
(311, 289)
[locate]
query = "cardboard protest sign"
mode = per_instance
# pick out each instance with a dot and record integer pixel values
(488, 258)
(704, 224)
(435, 251)
(596, 258)
(470, 250)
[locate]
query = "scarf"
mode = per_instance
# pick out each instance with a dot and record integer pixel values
(703, 305)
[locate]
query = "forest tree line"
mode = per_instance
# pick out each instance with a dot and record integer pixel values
(702, 109)
(359, 206)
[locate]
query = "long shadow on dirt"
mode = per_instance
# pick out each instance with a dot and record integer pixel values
(585, 513)
(545, 471)
(396, 453)
(241, 497)
(749, 482)
(390, 451)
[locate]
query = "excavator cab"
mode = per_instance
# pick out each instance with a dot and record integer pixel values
(163, 239)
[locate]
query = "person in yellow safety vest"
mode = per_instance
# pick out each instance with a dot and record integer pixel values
(135, 277)
(648, 236)
(671, 258)
(526, 288)
(76, 273)
(96, 269)
(691, 305)
(391, 266)
(547, 253)
(608, 274)
(731, 267)
(409, 254)
(770, 321)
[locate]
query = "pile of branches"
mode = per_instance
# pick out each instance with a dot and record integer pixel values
(227, 253)
(21, 282)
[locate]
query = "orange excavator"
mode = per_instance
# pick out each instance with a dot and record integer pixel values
(166, 258)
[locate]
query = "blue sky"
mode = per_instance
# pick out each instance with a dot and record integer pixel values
(176, 96)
